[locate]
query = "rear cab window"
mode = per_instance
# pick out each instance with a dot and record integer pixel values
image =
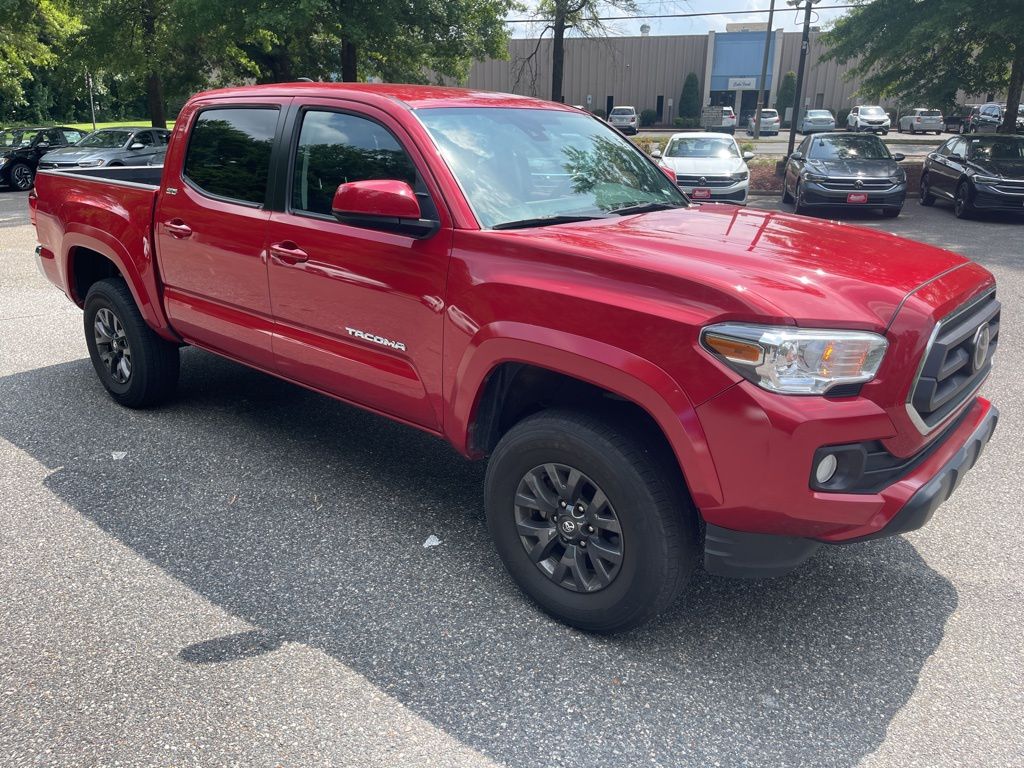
(229, 152)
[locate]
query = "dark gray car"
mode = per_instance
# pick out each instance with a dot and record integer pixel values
(839, 170)
(111, 146)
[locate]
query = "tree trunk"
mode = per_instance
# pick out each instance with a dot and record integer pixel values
(155, 100)
(1013, 94)
(558, 53)
(349, 62)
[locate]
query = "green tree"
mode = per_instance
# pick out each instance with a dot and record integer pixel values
(689, 100)
(31, 34)
(928, 50)
(785, 94)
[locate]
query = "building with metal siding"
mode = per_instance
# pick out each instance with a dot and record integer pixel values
(646, 72)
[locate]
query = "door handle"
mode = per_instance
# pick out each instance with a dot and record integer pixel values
(178, 228)
(288, 252)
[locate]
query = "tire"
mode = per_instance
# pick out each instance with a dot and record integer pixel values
(657, 539)
(786, 197)
(22, 177)
(115, 332)
(962, 207)
(798, 206)
(927, 199)
(891, 213)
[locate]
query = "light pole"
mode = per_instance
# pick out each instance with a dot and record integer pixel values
(798, 96)
(764, 72)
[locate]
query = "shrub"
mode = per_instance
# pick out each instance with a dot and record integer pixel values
(747, 146)
(787, 90)
(648, 117)
(600, 113)
(689, 100)
(841, 116)
(686, 122)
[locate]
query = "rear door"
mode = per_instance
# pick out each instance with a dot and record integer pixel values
(358, 311)
(211, 226)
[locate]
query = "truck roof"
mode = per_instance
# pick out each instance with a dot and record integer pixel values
(412, 96)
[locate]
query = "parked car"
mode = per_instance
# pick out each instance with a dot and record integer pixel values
(22, 148)
(770, 123)
(111, 146)
(834, 170)
(922, 121)
(707, 166)
(868, 118)
(817, 121)
(976, 173)
(625, 119)
(987, 118)
(654, 384)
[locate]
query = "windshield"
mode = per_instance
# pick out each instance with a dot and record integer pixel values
(105, 139)
(769, 113)
(819, 113)
(872, 111)
(848, 148)
(996, 149)
(930, 113)
(518, 164)
(13, 139)
(689, 146)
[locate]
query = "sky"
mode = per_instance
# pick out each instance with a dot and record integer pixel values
(788, 19)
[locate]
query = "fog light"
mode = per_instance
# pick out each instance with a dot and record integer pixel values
(826, 469)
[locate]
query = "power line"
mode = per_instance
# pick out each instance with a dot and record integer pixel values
(681, 15)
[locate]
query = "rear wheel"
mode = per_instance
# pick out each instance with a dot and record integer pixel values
(962, 206)
(591, 524)
(137, 367)
(22, 177)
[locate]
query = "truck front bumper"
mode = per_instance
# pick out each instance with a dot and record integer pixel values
(743, 554)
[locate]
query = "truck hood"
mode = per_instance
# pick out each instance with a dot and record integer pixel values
(809, 271)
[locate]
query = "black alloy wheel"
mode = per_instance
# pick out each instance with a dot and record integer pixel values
(568, 528)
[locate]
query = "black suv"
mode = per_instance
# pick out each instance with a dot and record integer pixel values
(986, 118)
(976, 173)
(21, 148)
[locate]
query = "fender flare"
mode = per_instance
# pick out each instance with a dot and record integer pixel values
(617, 370)
(141, 283)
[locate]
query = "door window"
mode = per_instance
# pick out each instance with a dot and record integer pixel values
(336, 148)
(143, 137)
(229, 152)
(72, 136)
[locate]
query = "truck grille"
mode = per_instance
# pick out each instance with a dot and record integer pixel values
(956, 362)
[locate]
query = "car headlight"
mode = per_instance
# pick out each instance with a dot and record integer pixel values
(90, 163)
(816, 177)
(986, 179)
(3, 160)
(740, 175)
(796, 361)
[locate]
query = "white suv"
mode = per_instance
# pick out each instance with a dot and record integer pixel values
(868, 118)
(625, 119)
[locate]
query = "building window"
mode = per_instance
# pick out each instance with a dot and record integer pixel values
(819, 101)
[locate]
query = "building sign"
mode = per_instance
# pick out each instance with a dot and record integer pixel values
(742, 84)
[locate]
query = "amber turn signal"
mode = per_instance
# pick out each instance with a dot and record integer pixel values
(735, 349)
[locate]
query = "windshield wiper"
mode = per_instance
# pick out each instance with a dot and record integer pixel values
(645, 208)
(543, 221)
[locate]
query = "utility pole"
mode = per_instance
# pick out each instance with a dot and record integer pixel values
(764, 72)
(798, 96)
(92, 104)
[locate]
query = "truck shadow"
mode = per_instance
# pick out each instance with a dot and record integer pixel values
(307, 518)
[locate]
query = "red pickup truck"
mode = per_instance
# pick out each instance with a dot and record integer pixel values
(654, 383)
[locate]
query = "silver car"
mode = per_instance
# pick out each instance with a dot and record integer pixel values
(817, 120)
(111, 146)
(923, 121)
(770, 123)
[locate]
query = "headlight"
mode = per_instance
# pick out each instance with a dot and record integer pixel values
(986, 179)
(816, 177)
(90, 163)
(3, 160)
(740, 175)
(796, 361)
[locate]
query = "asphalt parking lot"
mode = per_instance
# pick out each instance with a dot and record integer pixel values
(240, 579)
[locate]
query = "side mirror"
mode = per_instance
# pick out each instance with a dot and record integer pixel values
(748, 155)
(955, 156)
(386, 204)
(899, 156)
(656, 153)
(137, 145)
(797, 155)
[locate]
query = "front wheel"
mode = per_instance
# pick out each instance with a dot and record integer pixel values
(590, 523)
(798, 203)
(891, 213)
(138, 368)
(22, 177)
(963, 208)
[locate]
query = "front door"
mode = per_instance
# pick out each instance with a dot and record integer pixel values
(211, 227)
(358, 312)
